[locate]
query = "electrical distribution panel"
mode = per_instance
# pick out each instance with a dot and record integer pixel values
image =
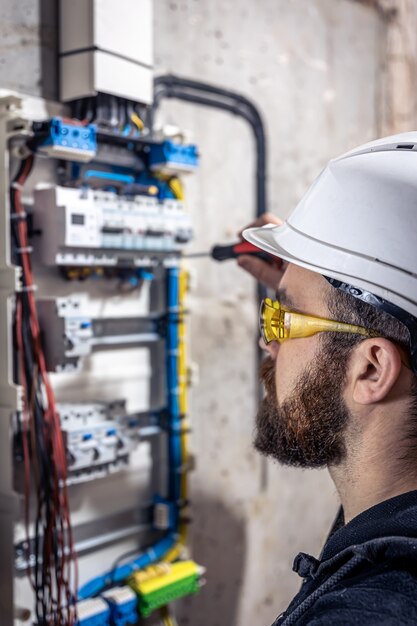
(114, 218)
(94, 227)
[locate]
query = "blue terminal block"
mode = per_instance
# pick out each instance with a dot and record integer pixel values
(66, 140)
(169, 157)
(123, 603)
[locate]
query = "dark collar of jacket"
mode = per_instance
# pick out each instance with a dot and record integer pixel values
(385, 531)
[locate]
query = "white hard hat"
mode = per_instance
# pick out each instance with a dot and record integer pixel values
(358, 223)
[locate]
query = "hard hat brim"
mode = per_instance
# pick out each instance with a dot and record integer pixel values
(296, 247)
(272, 239)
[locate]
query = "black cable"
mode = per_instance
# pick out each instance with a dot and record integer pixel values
(76, 109)
(122, 113)
(90, 112)
(173, 80)
(120, 559)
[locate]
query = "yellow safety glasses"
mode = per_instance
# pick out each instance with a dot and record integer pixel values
(279, 324)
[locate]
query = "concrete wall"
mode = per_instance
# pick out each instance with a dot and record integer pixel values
(313, 68)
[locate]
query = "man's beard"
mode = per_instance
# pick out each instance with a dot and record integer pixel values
(307, 430)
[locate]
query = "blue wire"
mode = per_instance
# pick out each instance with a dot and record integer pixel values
(96, 585)
(175, 452)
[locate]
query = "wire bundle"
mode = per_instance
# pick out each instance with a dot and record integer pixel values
(110, 112)
(44, 454)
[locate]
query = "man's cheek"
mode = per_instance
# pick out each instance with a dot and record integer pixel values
(283, 377)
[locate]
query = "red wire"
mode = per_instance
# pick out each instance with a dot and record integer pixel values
(75, 122)
(25, 432)
(59, 520)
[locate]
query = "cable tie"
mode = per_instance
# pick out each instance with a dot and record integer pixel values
(16, 185)
(29, 288)
(179, 430)
(19, 216)
(26, 250)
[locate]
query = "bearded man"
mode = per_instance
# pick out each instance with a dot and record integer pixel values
(340, 377)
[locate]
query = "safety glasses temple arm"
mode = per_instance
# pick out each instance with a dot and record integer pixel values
(300, 325)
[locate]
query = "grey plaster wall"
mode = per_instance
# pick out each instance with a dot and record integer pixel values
(312, 66)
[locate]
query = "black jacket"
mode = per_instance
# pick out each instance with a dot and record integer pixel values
(366, 574)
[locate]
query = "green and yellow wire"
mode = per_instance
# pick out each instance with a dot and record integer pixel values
(167, 618)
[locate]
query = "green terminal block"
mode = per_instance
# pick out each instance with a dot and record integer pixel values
(156, 590)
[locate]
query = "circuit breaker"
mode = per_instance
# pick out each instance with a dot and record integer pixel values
(93, 227)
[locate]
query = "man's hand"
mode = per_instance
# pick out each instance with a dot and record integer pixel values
(268, 274)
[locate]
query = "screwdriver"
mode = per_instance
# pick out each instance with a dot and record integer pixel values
(232, 251)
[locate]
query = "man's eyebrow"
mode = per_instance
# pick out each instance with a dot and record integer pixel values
(284, 299)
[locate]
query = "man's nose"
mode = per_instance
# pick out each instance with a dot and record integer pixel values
(271, 348)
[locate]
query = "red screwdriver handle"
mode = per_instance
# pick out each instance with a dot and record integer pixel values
(244, 247)
(232, 251)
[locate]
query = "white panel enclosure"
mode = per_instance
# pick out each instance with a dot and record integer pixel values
(106, 47)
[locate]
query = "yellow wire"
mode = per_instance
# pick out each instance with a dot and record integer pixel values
(166, 617)
(174, 184)
(182, 375)
(137, 121)
(176, 187)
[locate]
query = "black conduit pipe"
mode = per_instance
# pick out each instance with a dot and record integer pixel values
(170, 86)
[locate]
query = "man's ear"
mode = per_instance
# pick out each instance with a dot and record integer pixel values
(375, 367)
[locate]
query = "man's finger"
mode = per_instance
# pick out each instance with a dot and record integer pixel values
(265, 218)
(268, 275)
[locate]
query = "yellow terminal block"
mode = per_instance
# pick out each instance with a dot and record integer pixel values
(180, 579)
